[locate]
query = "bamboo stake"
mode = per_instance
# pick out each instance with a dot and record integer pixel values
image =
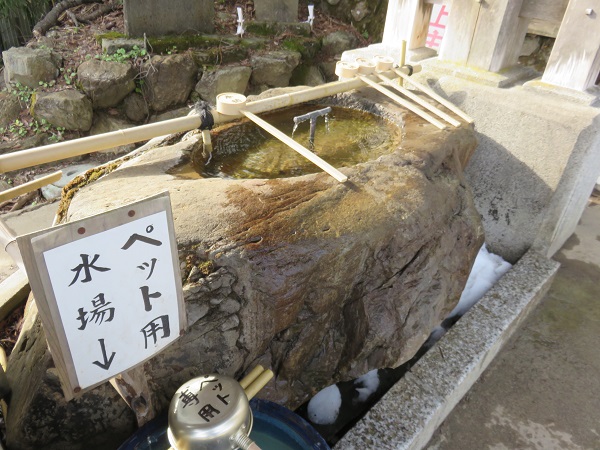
(295, 146)
(418, 111)
(30, 186)
(451, 106)
(403, 56)
(258, 384)
(420, 101)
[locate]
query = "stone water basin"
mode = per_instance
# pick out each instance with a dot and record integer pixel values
(344, 137)
(319, 280)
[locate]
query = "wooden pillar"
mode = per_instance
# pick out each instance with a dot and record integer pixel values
(407, 20)
(486, 34)
(575, 59)
(460, 28)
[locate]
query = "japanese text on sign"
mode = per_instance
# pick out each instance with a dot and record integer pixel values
(116, 293)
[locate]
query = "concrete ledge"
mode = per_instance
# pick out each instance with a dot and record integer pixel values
(502, 79)
(591, 97)
(407, 416)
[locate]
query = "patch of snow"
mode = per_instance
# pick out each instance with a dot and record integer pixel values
(324, 407)
(487, 269)
(366, 385)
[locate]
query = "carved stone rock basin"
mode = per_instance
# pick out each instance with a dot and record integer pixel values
(343, 137)
(318, 280)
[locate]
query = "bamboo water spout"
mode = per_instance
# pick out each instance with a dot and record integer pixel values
(77, 147)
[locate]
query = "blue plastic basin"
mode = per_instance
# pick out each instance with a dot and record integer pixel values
(275, 428)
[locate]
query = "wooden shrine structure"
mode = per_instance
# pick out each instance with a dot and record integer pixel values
(489, 34)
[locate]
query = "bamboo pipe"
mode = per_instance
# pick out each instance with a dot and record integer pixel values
(420, 101)
(77, 147)
(63, 150)
(30, 186)
(451, 106)
(258, 384)
(297, 147)
(253, 375)
(404, 103)
(402, 56)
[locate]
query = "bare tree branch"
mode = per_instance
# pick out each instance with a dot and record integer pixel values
(103, 9)
(51, 18)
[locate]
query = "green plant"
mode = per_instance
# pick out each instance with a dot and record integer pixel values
(47, 84)
(21, 128)
(41, 126)
(56, 134)
(122, 55)
(23, 92)
(139, 85)
(18, 128)
(172, 50)
(69, 75)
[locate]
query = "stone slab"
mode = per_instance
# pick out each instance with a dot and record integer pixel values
(110, 46)
(159, 18)
(407, 416)
(276, 10)
(504, 78)
(589, 97)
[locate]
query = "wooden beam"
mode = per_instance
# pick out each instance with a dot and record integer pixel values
(546, 10)
(499, 35)
(407, 20)
(575, 59)
(459, 31)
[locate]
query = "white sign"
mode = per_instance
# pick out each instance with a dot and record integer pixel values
(113, 288)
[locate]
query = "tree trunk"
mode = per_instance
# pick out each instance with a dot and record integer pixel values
(51, 18)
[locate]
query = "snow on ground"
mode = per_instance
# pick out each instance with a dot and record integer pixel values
(324, 407)
(366, 385)
(487, 269)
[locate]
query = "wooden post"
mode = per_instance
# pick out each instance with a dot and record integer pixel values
(487, 35)
(575, 59)
(132, 386)
(407, 20)
(459, 31)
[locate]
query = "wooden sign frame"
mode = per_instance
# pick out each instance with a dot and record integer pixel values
(34, 245)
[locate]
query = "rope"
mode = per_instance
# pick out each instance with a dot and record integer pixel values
(207, 121)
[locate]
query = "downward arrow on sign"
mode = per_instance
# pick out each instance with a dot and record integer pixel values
(107, 362)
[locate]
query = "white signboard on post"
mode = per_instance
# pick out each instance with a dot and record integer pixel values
(108, 289)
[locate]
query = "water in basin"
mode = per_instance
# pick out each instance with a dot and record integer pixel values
(244, 150)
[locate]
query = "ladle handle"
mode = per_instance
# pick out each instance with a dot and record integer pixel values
(258, 384)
